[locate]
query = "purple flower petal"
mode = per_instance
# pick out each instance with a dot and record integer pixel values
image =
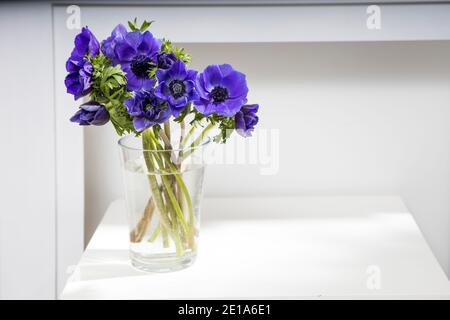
(141, 124)
(85, 42)
(134, 39)
(212, 77)
(205, 107)
(200, 87)
(109, 44)
(147, 84)
(236, 84)
(79, 81)
(101, 117)
(178, 71)
(91, 106)
(124, 52)
(133, 83)
(165, 60)
(149, 45)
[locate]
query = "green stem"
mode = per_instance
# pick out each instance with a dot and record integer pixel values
(182, 131)
(167, 129)
(154, 184)
(197, 141)
(155, 233)
(185, 192)
(166, 139)
(182, 141)
(168, 191)
(189, 230)
(165, 237)
(175, 233)
(187, 137)
(173, 171)
(171, 181)
(174, 202)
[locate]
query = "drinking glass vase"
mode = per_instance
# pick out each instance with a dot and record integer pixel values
(163, 190)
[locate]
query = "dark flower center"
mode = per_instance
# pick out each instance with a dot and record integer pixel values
(152, 106)
(177, 88)
(219, 94)
(141, 66)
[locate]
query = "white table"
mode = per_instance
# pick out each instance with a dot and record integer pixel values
(286, 247)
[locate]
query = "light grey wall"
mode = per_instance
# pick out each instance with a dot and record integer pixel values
(69, 157)
(354, 118)
(27, 162)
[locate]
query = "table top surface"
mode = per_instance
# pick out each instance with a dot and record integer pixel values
(270, 248)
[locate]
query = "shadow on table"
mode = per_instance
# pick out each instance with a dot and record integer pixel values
(104, 264)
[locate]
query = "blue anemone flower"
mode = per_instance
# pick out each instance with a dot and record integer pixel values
(221, 90)
(91, 113)
(136, 53)
(246, 119)
(166, 60)
(147, 110)
(85, 42)
(176, 85)
(108, 45)
(79, 79)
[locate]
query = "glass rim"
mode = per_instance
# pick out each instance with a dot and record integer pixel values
(121, 144)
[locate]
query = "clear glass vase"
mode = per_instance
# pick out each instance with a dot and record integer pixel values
(163, 188)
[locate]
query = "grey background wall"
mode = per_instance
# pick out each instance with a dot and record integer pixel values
(354, 118)
(27, 184)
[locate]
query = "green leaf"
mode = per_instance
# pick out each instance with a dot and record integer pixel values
(226, 127)
(109, 89)
(145, 25)
(152, 70)
(197, 117)
(133, 25)
(120, 118)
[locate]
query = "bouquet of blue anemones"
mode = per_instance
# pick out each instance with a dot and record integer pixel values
(141, 84)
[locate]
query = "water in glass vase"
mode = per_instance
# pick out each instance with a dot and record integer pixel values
(163, 212)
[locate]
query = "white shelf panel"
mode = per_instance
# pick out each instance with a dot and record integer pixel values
(273, 23)
(286, 247)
